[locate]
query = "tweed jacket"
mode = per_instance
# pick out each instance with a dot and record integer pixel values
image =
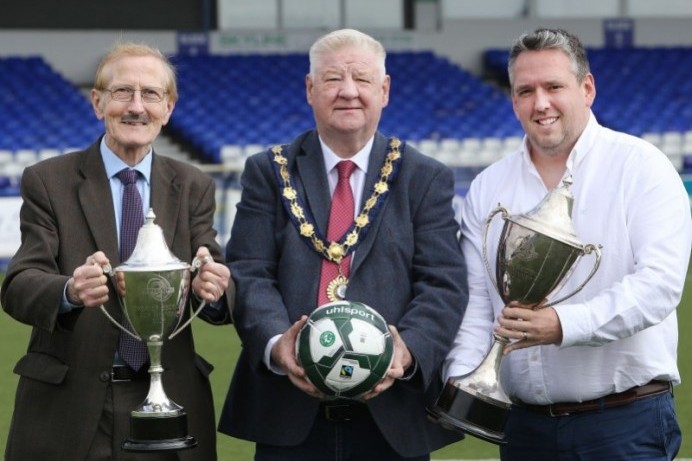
(66, 216)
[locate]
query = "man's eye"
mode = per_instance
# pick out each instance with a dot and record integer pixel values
(122, 91)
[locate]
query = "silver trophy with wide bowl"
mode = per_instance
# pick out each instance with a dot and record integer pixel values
(152, 289)
(537, 253)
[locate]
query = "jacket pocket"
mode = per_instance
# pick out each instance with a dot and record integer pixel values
(203, 366)
(41, 367)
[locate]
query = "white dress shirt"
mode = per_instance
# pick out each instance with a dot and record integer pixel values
(620, 331)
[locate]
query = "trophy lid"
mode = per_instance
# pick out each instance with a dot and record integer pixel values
(553, 215)
(151, 252)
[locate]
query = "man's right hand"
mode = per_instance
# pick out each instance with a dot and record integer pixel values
(283, 355)
(87, 287)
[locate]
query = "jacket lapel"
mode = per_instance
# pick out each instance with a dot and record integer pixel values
(165, 197)
(312, 179)
(377, 156)
(94, 191)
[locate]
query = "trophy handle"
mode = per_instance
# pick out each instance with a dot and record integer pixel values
(108, 270)
(505, 213)
(196, 264)
(588, 249)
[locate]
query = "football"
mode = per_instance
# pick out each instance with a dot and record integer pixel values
(345, 348)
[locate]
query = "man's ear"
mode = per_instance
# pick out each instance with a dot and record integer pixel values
(96, 103)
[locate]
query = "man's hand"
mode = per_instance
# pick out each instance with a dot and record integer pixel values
(528, 326)
(401, 361)
(283, 355)
(212, 278)
(87, 286)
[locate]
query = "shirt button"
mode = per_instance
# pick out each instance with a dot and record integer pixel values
(105, 376)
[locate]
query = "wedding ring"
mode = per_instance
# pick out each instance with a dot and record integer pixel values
(526, 336)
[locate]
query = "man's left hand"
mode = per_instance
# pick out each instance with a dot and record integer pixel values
(212, 278)
(528, 326)
(400, 363)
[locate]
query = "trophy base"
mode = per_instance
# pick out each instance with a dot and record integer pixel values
(153, 433)
(477, 415)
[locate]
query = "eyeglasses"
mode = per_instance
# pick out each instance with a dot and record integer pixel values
(126, 93)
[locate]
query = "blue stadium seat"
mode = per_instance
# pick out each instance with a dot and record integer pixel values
(39, 108)
(260, 99)
(640, 90)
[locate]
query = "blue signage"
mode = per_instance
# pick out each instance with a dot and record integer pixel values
(192, 43)
(618, 32)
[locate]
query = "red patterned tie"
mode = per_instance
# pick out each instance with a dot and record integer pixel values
(132, 351)
(340, 219)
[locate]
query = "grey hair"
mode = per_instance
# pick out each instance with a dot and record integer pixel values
(345, 38)
(551, 39)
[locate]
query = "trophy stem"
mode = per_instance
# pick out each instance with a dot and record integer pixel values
(158, 424)
(157, 404)
(475, 403)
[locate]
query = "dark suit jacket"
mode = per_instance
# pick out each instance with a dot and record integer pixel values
(409, 268)
(67, 215)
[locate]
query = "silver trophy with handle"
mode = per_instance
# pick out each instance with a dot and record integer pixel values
(152, 289)
(537, 254)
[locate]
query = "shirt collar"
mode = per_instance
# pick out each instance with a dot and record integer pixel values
(360, 159)
(114, 164)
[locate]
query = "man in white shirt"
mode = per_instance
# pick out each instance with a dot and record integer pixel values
(592, 375)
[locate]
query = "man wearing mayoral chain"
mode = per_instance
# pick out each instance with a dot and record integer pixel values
(398, 253)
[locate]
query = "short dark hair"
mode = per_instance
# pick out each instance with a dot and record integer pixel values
(551, 39)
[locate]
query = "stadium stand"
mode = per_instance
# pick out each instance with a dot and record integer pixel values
(643, 91)
(260, 100)
(40, 109)
(233, 105)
